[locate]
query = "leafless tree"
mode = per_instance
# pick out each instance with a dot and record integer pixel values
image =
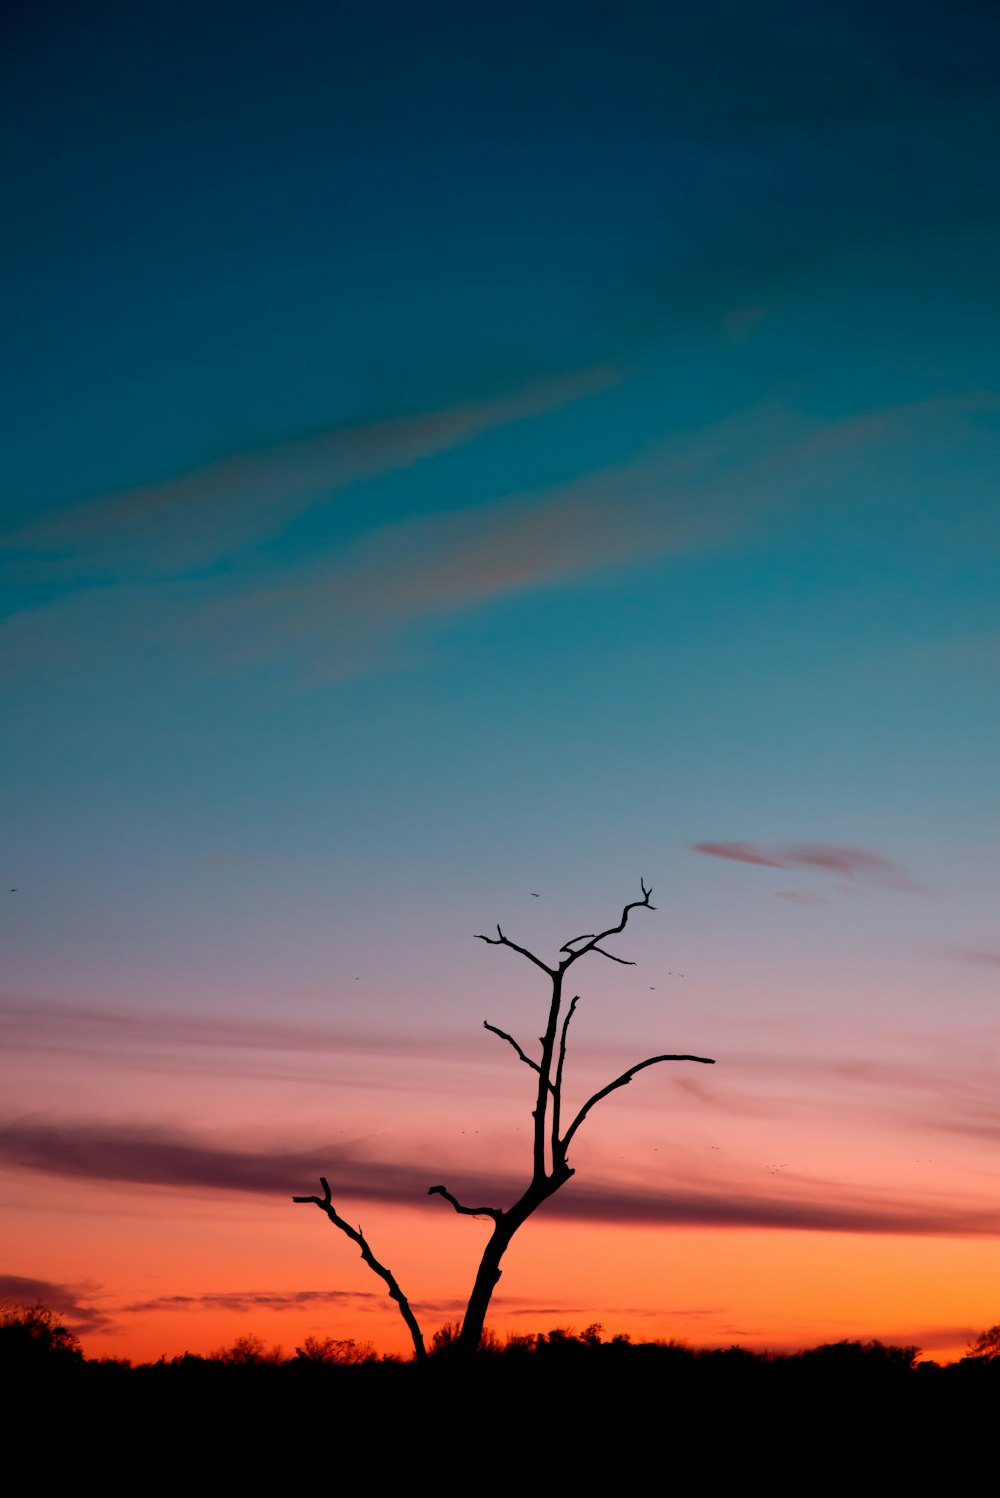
(552, 1137)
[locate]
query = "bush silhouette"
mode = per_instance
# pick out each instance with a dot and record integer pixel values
(986, 1345)
(340, 1352)
(32, 1336)
(248, 1352)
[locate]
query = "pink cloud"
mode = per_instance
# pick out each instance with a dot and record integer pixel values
(739, 853)
(829, 858)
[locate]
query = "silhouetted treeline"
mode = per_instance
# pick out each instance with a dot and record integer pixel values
(36, 1342)
(601, 1407)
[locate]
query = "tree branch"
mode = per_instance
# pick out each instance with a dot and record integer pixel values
(502, 941)
(493, 1212)
(625, 961)
(325, 1204)
(557, 1089)
(591, 942)
(623, 1081)
(511, 1041)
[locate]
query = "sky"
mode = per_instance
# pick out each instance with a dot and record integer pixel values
(461, 461)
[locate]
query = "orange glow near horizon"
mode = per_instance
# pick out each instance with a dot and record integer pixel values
(225, 1268)
(857, 1197)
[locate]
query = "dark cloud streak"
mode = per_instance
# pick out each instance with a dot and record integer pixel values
(159, 1158)
(256, 1300)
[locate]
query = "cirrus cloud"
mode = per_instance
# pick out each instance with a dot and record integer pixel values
(847, 862)
(156, 529)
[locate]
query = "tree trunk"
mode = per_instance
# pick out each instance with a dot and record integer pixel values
(488, 1273)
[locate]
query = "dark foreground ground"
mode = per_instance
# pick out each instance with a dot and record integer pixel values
(851, 1417)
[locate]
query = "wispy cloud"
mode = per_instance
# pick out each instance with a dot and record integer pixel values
(943, 1087)
(186, 1045)
(241, 1301)
(341, 611)
(727, 1100)
(64, 1027)
(852, 863)
(920, 1090)
(256, 1300)
(337, 611)
(340, 616)
(443, 564)
(185, 521)
(680, 498)
(161, 1158)
(739, 853)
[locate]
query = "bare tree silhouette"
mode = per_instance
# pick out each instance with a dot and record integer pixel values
(551, 1138)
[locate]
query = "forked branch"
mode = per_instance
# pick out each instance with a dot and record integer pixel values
(592, 939)
(623, 1081)
(325, 1204)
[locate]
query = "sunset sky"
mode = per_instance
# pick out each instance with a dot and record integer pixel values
(461, 460)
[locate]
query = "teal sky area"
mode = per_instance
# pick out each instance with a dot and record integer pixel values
(460, 460)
